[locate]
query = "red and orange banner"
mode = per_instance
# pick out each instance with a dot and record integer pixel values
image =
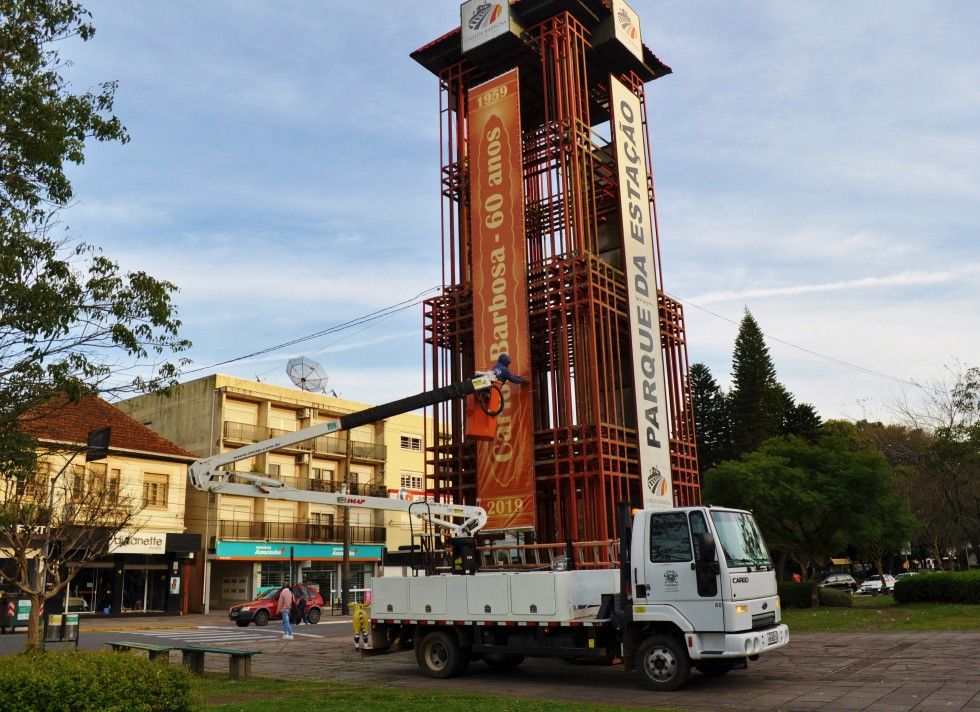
(505, 472)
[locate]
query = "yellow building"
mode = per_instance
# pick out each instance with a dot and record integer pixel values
(249, 541)
(148, 564)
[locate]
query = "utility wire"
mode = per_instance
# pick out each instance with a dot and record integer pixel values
(382, 313)
(838, 361)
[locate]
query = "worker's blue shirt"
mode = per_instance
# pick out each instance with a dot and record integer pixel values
(503, 374)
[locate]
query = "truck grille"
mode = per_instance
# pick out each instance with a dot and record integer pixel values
(763, 620)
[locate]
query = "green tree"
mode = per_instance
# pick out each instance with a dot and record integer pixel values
(949, 410)
(811, 499)
(71, 323)
(757, 403)
(711, 422)
(797, 418)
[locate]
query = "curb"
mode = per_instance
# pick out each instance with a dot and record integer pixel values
(124, 629)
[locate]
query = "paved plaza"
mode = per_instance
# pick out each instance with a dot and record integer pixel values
(885, 672)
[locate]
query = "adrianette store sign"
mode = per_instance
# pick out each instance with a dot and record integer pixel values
(138, 542)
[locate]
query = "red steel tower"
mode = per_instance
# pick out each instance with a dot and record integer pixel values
(551, 254)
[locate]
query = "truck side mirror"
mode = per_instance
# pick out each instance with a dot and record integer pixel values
(706, 547)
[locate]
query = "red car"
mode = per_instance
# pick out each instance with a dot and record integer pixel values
(266, 607)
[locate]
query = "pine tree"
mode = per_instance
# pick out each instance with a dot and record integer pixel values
(711, 422)
(757, 403)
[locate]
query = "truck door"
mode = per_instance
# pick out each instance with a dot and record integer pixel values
(673, 575)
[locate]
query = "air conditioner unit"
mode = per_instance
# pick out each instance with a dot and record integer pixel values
(307, 413)
(303, 458)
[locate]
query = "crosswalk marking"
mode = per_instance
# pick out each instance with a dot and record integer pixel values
(220, 635)
(212, 636)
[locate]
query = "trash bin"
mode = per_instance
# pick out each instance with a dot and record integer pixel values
(71, 628)
(52, 627)
(15, 611)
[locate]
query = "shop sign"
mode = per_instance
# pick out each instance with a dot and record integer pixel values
(138, 542)
(278, 550)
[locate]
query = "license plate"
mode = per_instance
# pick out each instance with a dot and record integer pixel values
(772, 637)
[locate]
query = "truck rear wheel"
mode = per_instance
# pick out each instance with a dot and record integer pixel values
(662, 663)
(439, 655)
(499, 662)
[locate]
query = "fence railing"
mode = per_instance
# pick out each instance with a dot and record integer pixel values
(586, 554)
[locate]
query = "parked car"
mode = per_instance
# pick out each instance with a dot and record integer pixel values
(843, 582)
(77, 604)
(905, 574)
(266, 607)
(873, 585)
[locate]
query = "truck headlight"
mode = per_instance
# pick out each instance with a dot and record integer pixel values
(741, 609)
(778, 604)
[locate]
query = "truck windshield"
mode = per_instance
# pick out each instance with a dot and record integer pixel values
(740, 539)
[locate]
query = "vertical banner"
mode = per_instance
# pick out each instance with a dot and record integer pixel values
(505, 471)
(640, 267)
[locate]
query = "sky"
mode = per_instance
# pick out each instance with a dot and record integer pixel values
(817, 163)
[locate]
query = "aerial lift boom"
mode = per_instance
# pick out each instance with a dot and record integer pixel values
(206, 474)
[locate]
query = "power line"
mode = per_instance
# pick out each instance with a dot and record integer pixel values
(804, 349)
(382, 313)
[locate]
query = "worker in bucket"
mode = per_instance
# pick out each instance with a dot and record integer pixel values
(502, 373)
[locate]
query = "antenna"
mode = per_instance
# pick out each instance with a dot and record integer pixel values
(307, 374)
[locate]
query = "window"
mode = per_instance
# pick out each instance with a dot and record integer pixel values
(77, 481)
(36, 483)
(321, 518)
(112, 484)
(670, 540)
(410, 442)
(155, 490)
(413, 480)
(273, 470)
(321, 473)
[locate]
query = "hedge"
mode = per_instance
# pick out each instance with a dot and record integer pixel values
(797, 595)
(940, 587)
(92, 682)
(794, 595)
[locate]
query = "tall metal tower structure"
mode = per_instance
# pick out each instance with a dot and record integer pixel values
(551, 254)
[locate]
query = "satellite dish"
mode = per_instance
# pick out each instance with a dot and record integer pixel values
(307, 374)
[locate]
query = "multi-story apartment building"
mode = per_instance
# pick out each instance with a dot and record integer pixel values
(248, 540)
(147, 566)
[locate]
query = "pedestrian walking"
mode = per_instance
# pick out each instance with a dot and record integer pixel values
(285, 610)
(299, 595)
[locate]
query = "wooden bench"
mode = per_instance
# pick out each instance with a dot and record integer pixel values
(157, 652)
(239, 661)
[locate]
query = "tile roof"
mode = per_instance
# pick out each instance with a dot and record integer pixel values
(72, 422)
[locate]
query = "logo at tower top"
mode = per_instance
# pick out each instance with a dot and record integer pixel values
(482, 21)
(626, 22)
(484, 15)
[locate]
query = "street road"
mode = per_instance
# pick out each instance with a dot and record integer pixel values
(886, 672)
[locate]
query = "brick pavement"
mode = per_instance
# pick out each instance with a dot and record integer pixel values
(878, 672)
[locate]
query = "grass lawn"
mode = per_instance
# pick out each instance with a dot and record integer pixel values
(267, 695)
(882, 613)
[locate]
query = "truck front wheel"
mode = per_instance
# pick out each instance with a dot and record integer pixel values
(439, 655)
(662, 663)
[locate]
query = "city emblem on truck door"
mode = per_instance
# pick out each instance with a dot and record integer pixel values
(670, 580)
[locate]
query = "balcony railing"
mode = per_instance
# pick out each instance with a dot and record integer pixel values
(245, 432)
(298, 531)
(324, 445)
(367, 451)
(362, 489)
(330, 446)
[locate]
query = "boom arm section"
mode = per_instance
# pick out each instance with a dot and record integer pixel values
(205, 474)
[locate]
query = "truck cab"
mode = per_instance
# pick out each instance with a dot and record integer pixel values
(704, 575)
